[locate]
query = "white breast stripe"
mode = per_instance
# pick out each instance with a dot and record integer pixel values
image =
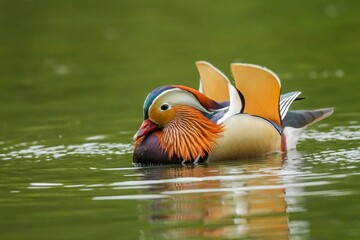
(236, 104)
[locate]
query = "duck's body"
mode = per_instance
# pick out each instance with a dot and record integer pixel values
(258, 137)
(220, 121)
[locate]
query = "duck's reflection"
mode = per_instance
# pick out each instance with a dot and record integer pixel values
(247, 200)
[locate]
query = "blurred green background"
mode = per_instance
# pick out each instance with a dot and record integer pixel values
(86, 60)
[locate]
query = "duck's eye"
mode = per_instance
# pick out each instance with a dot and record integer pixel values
(164, 107)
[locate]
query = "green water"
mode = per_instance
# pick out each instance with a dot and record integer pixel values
(73, 77)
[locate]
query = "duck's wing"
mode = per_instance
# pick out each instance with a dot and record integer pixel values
(303, 118)
(261, 90)
(213, 83)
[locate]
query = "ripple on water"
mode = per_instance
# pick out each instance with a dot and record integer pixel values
(53, 152)
(43, 185)
(351, 132)
(131, 197)
(348, 153)
(336, 133)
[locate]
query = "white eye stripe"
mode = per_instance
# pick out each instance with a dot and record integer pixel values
(179, 97)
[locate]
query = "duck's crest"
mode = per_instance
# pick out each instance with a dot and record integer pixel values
(201, 101)
(204, 100)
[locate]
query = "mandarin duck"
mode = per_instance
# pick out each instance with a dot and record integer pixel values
(220, 120)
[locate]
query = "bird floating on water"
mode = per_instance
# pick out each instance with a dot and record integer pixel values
(221, 121)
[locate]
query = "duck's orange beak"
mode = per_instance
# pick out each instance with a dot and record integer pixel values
(146, 128)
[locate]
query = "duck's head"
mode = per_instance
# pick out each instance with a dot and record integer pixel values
(178, 126)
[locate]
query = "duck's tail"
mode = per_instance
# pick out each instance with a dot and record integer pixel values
(295, 122)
